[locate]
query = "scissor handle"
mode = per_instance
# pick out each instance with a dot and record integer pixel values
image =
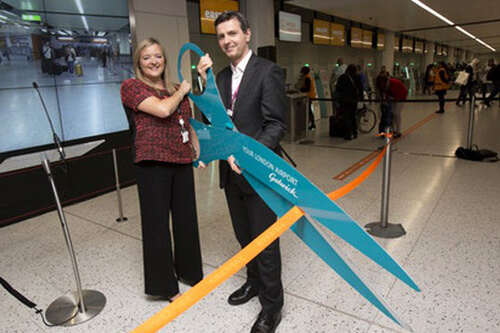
(209, 101)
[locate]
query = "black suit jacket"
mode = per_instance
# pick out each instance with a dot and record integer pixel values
(260, 107)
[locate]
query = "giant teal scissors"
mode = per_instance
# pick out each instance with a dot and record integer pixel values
(283, 187)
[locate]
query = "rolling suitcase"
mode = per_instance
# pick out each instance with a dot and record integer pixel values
(338, 126)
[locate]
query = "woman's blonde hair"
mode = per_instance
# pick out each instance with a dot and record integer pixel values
(165, 76)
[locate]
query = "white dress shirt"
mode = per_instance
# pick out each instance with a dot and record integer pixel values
(238, 75)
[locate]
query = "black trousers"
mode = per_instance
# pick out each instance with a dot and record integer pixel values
(440, 94)
(166, 188)
(312, 121)
(348, 109)
(251, 216)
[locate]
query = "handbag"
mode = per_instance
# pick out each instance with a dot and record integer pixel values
(462, 78)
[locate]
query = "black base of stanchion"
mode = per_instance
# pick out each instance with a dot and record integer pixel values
(390, 231)
(124, 219)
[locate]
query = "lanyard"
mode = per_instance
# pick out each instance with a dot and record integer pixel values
(233, 97)
(184, 132)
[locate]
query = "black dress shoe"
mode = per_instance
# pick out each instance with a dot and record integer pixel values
(440, 111)
(266, 322)
(243, 295)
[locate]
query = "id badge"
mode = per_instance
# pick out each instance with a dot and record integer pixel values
(229, 112)
(185, 136)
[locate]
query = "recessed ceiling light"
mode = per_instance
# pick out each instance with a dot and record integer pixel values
(446, 20)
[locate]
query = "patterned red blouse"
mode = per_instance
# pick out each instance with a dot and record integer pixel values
(155, 138)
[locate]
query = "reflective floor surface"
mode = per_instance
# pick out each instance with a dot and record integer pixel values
(448, 207)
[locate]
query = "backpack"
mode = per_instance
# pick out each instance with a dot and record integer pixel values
(484, 155)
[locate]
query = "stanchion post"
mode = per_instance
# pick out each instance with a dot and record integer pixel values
(121, 218)
(384, 229)
(308, 120)
(74, 307)
(384, 208)
(471, 121)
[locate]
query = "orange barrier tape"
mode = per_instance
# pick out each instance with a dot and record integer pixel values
(356, 166)
(238, 261)
(419, 124)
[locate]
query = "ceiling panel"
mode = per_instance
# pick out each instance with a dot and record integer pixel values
(109, 15)
(90, 7)
(461, 11)
(405, 16)
(95, 23)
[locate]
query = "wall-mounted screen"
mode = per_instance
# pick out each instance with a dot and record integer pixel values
(356, 37)
(211, 9)
(407, 45)
(337, 34)
(290, 28)
(419, 47)
(381, 42)
(396, 43)
(367, 39)
(321, 32)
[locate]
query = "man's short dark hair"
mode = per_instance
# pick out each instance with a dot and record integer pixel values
(231, 14)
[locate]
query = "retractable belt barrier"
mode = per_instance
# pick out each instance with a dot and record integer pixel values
(299, 203)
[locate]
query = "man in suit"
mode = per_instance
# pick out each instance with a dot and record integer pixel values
(253, 92)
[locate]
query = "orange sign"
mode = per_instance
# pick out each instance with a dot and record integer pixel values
(356, 37)
(321, 32)
(367, 39)
(419, 47)
(407, 45)
(337, 34)
(396, 43)
(211, 9)
(380, 42)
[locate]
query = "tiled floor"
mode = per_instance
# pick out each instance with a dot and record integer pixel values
(449, 208)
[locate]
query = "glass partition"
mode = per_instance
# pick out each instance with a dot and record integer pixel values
(78, 52)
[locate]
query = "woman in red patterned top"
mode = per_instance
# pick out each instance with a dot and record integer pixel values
(164, 148)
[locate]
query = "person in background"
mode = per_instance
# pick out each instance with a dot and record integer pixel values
(362, 79)
(429, 79)
(349, 91)
(380, 89)
(70, 59)
(337, 71)
(486, 82)
(495, 78)
(104, 55)
(164, 146)
(307, 86)
(253, 91)
(395, 91)
(441, 84)
(471, 86)
(48, 57)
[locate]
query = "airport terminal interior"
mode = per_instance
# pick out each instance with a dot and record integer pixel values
(447, 206)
